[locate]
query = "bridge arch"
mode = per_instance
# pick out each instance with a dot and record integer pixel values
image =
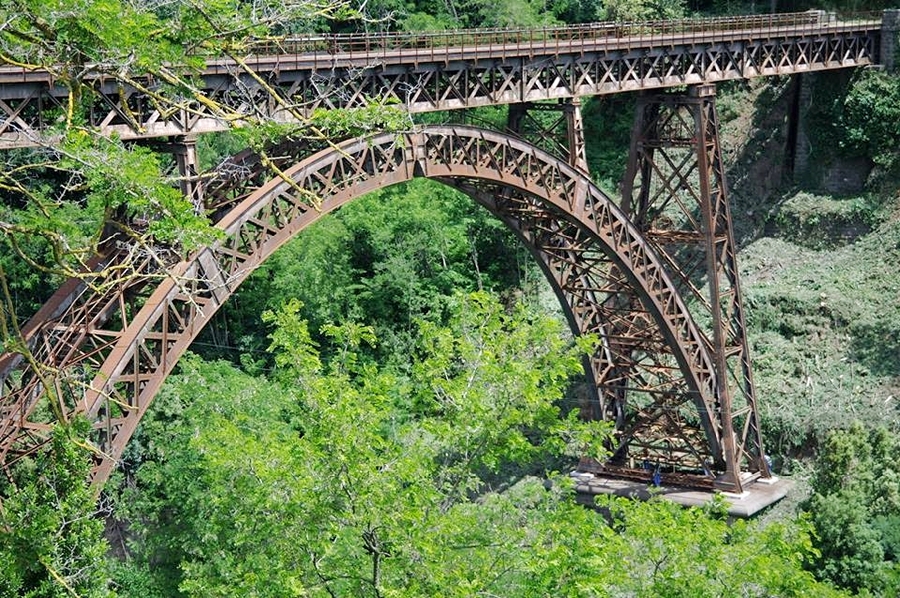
(124, 343)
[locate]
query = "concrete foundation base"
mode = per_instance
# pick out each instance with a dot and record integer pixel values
(756, 496)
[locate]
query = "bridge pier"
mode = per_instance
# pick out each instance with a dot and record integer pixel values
(184, 148)
(890, 38)
(797, 148)
(563, 136)
(676, 193)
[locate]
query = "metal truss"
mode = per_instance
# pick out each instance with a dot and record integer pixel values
(656, 432)
(433, 72)
(638, 382)
(675, 192)
(102, 346)
(559, 136)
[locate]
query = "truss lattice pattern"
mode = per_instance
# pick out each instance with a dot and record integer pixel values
(675, 192)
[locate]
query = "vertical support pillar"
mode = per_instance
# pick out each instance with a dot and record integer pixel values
(184, 149)
(890, 38)
(718, 245)
(798, 144)
(675, 192)
(575, 134)
(515, 118)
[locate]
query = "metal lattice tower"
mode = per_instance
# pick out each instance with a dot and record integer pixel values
(675, 192)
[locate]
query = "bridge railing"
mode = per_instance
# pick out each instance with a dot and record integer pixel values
(561, 38)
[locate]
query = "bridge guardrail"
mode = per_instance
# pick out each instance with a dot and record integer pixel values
(432, 44)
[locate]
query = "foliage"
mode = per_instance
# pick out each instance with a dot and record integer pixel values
(856, 115)
(644, 10)
(508, 13)
(607, 131)
(854, 507)
(870, 116)
(819, 222)
(57, 202)
(846, 6)
(157, 48)
(674, 552)
(337, 478)
(51, 542)
(342, 476)
(436, 15)
(66, 35)
(391, 257)
(824, 340)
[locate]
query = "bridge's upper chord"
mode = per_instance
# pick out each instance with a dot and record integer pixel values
(287, 79)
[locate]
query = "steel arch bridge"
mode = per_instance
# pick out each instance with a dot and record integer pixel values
(106, 354)
(654, 274)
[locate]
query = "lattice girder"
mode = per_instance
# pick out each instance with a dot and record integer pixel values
(635, 382)
(634, 372)
(675, 191)
(308, 75)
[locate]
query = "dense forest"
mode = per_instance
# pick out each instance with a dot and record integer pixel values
(388, 406)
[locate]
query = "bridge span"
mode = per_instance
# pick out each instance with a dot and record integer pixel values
(653, 274)
(424, 72)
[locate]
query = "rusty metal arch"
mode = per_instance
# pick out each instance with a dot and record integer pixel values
(636, 380)
(107, 354)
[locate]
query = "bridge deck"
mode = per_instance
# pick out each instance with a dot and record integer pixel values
(459, 69)
(355, 54)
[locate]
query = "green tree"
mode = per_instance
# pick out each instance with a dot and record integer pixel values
(391, 258)
(674, 552)
(644, 10)
(79, 191)
(870, 117)
(51, 542)
(342, 478)
(338, 478)
(856, 495)
(57, 202)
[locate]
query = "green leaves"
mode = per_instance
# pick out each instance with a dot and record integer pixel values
(361, 481)
(393, 257)
(488, 375)
(131, 180)
(51, 542)
(870, 117)
(854, 507)
(644, 10)
(67, 35)
(334, 484)
(358, 122)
